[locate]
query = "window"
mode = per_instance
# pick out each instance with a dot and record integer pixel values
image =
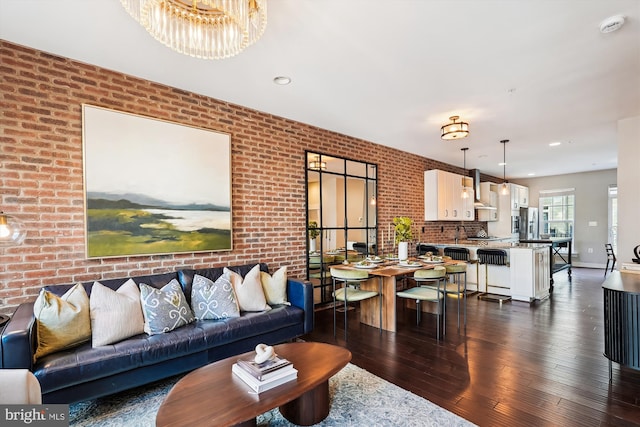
(613, 217)
(557, 209)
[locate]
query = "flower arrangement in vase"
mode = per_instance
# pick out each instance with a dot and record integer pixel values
(403, 235)
(313, 231)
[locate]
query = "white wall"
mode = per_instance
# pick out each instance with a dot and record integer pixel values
(628, 187)
(592, 197)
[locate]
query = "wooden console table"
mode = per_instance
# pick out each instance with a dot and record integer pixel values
(621, 326)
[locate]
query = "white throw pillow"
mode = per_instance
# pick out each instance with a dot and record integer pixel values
(115, 315)
(275, 287)
(248, 290)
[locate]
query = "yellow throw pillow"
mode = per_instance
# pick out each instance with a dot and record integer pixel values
(62, 322)
(275, 287)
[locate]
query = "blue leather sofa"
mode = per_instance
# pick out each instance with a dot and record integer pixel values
(84, 373)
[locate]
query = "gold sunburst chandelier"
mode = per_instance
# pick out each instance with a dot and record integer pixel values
(208, 29)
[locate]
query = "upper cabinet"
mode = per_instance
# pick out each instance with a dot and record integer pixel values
(443, 199)
(519, 196)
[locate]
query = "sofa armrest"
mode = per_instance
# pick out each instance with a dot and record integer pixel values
(300, 294)
(17, 340)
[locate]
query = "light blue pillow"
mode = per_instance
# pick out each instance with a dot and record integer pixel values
(213, 300)
(164, 309)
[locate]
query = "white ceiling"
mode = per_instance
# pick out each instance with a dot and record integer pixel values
(392, 72)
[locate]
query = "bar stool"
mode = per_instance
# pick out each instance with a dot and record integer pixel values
(424, 291)
(492, 257)
(351, 292)
(422, 249)
(459, 254)
(456, 285)
(462, 254)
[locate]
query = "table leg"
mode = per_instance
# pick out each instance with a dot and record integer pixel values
(310, 408)
(370, 308)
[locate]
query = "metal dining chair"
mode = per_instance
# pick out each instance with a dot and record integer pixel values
(456, 284)
(351, 292)
(427, 291)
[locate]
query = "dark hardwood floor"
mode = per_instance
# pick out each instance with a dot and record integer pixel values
(515, 365)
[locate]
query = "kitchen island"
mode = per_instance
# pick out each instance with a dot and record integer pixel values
(526, 277)
(558, 259)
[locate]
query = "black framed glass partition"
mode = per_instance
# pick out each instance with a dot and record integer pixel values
(341, 216)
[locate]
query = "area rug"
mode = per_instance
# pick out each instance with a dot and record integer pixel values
(358, 398)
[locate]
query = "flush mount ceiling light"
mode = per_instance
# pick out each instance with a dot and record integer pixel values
(465, 193)
(455, 129)
(11, 230)
(282, 80)
(504, 189)
(208, 29)
(317, 164)
(611, 24)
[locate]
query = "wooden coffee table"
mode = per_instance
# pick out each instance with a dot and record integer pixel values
(214, 396)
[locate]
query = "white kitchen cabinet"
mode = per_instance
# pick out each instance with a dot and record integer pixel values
(519, 196)
(443, 197)
(523, 196)
(530, 278)
(468, 208)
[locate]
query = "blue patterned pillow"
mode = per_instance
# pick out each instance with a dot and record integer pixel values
(213, 300)
(164, 309)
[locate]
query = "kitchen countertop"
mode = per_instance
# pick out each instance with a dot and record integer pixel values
(488, 244)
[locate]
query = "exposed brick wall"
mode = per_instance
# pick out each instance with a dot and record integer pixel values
(41, 179)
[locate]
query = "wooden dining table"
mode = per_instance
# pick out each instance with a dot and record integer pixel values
(385, 278)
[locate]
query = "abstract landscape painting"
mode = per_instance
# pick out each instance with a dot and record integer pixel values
(154, 187)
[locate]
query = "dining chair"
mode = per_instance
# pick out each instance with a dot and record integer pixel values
(456, 284)
(611, 256)
(426, 291)
(351, 292)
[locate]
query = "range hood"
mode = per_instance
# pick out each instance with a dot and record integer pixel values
(477, 204)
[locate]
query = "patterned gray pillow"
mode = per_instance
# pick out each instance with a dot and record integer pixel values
(213, 300)
(164, 309)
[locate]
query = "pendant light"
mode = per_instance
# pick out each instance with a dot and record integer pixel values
(465, 193)
(12, 231)
(504, 189)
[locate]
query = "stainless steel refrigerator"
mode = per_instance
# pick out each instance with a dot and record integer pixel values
(528, 223)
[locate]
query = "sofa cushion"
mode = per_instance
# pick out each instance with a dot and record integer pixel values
(115, 315)
(164, 309)
(248, 289)
(275, 287)
(62, 322)
(213, 300)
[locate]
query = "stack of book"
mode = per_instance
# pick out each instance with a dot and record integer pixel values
(264, 376)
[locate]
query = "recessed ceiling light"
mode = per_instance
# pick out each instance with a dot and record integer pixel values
(531, 174)
(611, 24)
(502, 164)
(282, 80)
(554, 144)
